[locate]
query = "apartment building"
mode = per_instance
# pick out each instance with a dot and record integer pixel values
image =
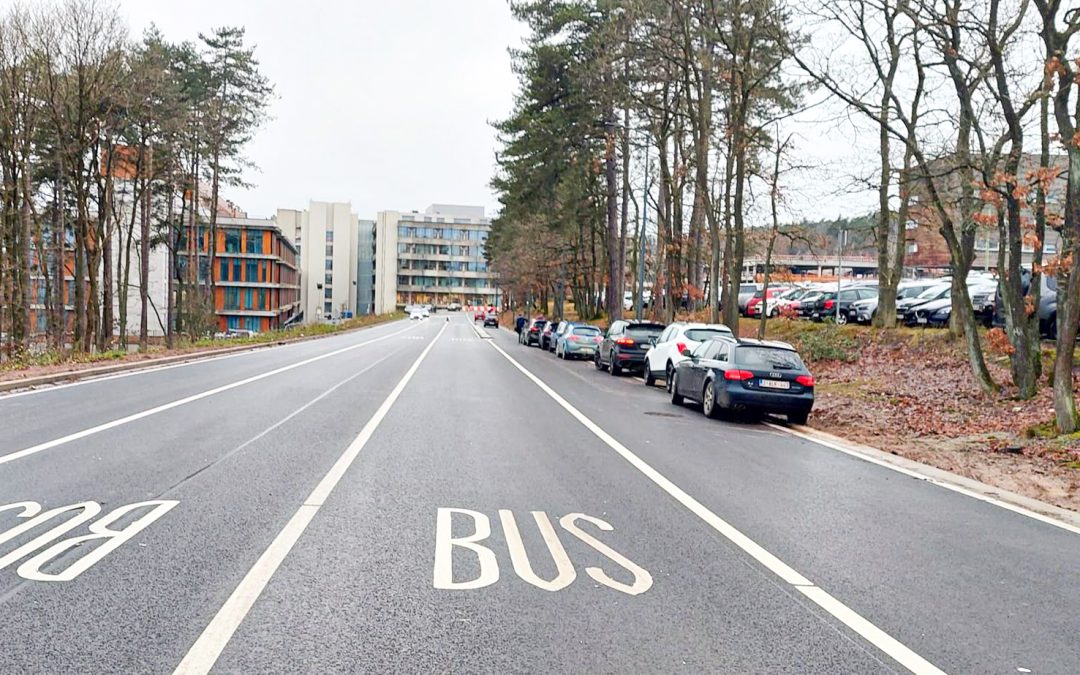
(436, 256)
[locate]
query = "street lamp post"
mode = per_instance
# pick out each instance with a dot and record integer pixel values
(839, 271)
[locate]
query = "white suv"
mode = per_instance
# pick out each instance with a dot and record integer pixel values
(661, 359)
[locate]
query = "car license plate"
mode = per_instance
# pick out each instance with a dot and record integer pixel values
(587, 350)
(775, 384)
(920, 319)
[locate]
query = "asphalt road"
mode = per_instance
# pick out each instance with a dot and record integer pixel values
(416, 497)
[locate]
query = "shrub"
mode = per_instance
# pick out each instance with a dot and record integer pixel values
(829, 343)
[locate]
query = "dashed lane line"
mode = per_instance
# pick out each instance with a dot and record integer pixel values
(56, 442)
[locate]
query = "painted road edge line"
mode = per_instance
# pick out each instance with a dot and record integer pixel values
(939, 481)
(202, 655)
(48, 445)
(850, 618)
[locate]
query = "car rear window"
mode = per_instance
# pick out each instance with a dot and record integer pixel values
(768, 357)
(703, 334)
(650, 330)
(586, 330)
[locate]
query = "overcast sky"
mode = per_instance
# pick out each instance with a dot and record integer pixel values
(385, 104)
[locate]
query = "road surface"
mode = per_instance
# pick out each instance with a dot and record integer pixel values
(417, 497)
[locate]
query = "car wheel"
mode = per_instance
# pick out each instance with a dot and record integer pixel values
(613, 369)
(798, 418)
(841, 318)
(648, 376)
(1051, 328)
(597, 362)
(708, 402)
(669, 375)
(673, 386)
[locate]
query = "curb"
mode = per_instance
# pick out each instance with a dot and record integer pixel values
(147, 364)
(1012, 501)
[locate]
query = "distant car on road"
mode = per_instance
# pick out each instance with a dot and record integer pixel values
(579, 342)
(417, 313)
(491, 319)
(454, 307)
(728, 374)
(661, 359)
(625, 345)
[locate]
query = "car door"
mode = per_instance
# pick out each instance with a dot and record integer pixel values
(614, 332)
(695, 372)
(654, 358)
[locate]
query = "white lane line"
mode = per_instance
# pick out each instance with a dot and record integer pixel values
(205, 652)
(26, 452)
(929, 479)
(193, 361)
(868, 631)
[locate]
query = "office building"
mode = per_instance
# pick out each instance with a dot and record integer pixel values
(255, 275)
(327, 237)
(365, 268)
(434, 257)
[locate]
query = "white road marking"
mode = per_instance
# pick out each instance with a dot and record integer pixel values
(868, 631)
(206, 650)
(19, 454)
(194, 361)
(915, 474)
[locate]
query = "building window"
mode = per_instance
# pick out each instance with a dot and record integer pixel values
(329, 249)
(912, 247)
(232, 298)
(249, 298)
(236, 269)
(252, 271)
(328, 292)
(329, 235)
(328, 308)
(254, 241)
(232, 240)
(329, 264)
(262, 299)
(329, 277)
(224, 269)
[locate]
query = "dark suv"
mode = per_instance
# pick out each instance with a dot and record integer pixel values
(825, 306)
(1047, 303)
(625, 345)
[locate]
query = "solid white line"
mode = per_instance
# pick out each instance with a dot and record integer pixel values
(205, 652)
(929, 479)
(19, 454)
(194, 360)
(868, 631)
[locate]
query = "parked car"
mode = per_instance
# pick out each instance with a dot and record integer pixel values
(863, 311)
(825, 307)
(982, 302)
(727, 374)
(1047, 303)
(629, 303)
(755, 303)
(559, 330)
(908, 304)
(531, 335)
(661, 359)
(547, 336)
(746, 291)
(787, 302)
(454, 307)
(808, 302)
(491, 319)
(934, 314)
(625, 345)
(579, 342)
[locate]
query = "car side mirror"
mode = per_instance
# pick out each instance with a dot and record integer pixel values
(686, 353)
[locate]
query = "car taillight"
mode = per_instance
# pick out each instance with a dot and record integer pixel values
(829, 304)
(805, 380)
(624, 341)
(738, 375)
(598, 339)
(573, 338)
(679, 347)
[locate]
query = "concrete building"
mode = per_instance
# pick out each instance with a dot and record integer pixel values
(432, 257)
(328, 240)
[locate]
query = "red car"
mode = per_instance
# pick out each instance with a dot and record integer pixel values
(753, 307)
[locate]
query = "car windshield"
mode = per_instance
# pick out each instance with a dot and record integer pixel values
(586, 331)
(702, 334)
(747, 288)
(933, 293)
(767, 357)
